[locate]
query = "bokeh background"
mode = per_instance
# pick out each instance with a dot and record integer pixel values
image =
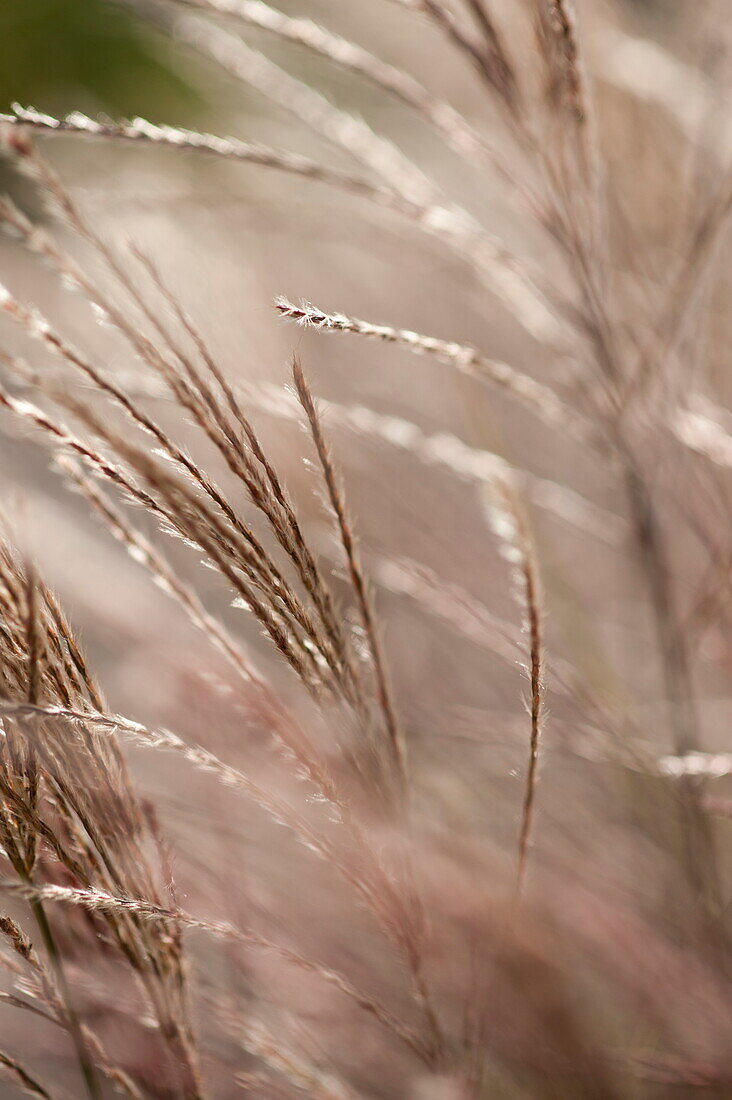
(228, 239)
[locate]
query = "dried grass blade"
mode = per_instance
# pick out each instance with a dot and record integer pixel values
(539, 398)
(22, 1078)
(555, 22)
(450, 453)
(103, 902)
(358, 580)
(500, 271)
(512, 530)
(141, 131)
(492, 67)
(455, 130)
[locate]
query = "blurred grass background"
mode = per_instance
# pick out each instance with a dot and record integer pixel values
(64, 55)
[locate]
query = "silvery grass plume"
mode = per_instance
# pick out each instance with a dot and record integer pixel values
(68, 804)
